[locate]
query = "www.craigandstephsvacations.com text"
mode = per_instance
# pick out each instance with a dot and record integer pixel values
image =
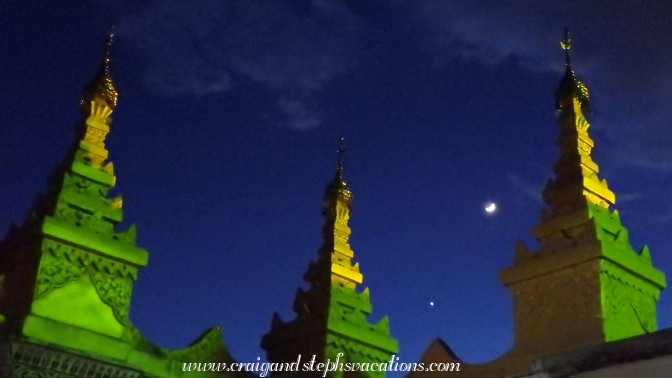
(263, 368)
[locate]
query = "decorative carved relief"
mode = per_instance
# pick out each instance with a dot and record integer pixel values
(624, 295)
(33, 361)
(85, 186)
(93, 222)
(114, 291)
(342, 213)
(97, 263)
(95, 136)
(62, 264)
(55, 273)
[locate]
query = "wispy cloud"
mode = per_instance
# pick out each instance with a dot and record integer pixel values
(290, 48)
(294, 49)
(609, 37)
(298, 115)
(621, 48)
(525, 187)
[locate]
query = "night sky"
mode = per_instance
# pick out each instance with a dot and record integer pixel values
(225, 137)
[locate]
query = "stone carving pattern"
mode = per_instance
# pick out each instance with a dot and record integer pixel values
(341, 234)
(115, 292)
(85, 186)
(93, 222)
(55, 273)
(62, 264)
(95, 136)
(342, 214)
(623, 296)
(21, 371)
(355, 352)
(31, 361)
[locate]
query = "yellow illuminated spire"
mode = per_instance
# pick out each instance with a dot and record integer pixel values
(576, 172)
(337, 201)
(100, 99)
(585, 284)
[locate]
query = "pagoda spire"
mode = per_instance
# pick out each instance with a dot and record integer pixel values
(576, 172)
(337, 201)
(585, 284)
(73, 237)
(67, 273)
(332, 313)
(98, 103)
(570, 85)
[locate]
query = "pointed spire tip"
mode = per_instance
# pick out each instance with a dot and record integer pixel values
(566, 45)
(570, 85)
(338, 188)
(340, 152)
(102, 86)
(109, 41)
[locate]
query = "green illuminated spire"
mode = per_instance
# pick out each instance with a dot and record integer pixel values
(331, 314)
(67, 273)
(81, 255)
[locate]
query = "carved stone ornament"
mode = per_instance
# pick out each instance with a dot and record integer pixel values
(34, 361)
(62, 264)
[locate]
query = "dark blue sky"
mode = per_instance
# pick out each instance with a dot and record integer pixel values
(224, 139)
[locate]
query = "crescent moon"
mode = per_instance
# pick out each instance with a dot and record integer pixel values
(491, 207)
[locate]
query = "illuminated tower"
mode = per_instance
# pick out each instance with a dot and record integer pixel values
(331, 314)
(66, 274)
(585, 285)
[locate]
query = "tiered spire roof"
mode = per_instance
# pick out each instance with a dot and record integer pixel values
(68, 274)
(81, 252)
(331, 314)
(585, 284)
(576, 172)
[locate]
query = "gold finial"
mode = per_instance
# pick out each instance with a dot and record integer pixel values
(108, 43)
(338, 188)
(570, 85)
(566, 45)
(102, 86)
(340, 151)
